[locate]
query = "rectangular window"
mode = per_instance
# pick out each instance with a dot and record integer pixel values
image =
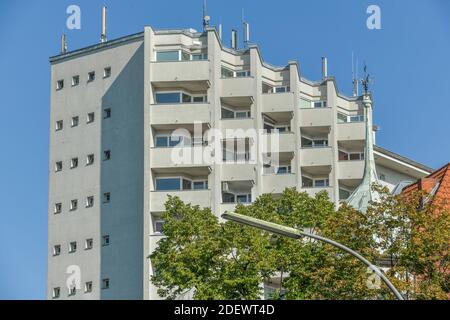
(227, 197)
(343, 194)
(227, 114)
(242, 114)
(91, 76)
(320, 183)
(199, 99)
(199, 56)
(90, 117)
(58, 166)
(185, 98)
(185, 56)
(75, 121)
(343, 156)
(56, 292)
(58, 208)
(90, 159)
(342, 118)
(161, 141)
(75, 81)
(107, 72)
(59, 84)
(72, 291)
(105, 240)
(105, 283)
(89, 202)
(73, 205)
(106, 197)
(89, 244)
(163, 56)
(56, 250)
(243, 73)
(357, 118)
(59, 125)
(88, 287)
(227, 73)
(73, 247)
(200, 185)
(159, 226)
(243, 198)
(73, 163)
(168, 184)
(307, 182)
(355, 156)
(106, 155)
(107, 113)
(167, 97)
(305, 103)
(187, 184)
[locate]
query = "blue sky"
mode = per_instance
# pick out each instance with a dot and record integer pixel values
(408, 58)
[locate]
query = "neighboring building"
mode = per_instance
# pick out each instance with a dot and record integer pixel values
(114, 107)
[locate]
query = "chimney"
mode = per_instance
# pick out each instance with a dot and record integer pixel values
(234, 39)
(246, 33)
(103, 36)
(324, 68)
(63, 43)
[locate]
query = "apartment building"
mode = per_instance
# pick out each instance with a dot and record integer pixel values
(115, 110)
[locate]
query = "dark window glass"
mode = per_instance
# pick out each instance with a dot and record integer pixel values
(343, 156)
(168, 184)
(170, 97)
(306, 142)
(307, 182)
(167, 56)
(199, 185)
(227, 198)
(355, 156)
(174, 141)
(185, 56)
(186, 98)
(227, 114)
(343, 194)
(199, 99)
(187, 184)
(161, 141)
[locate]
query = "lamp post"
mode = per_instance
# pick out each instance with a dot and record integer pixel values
(297, 234)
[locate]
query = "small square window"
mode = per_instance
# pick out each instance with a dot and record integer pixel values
(89, 202)
(106, 197)
(73, 247)
(56, 250)
(91, 76)
(59, 84)
(58, 166)
(75, 121)
(73, 163)
(59, 125)
(107, 72)
(88, 287)
(106, 241)
(72, 291)
(159, 225)
(90, 159)
(107, 155)
(105, 284)
(58, 208)
(75, 81)
(107, 113)
(90, 117)
(89, 244)
(73, 205)
(56, 293)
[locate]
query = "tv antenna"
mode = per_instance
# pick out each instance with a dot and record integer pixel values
(355, 76)
(206, 18)
(366, 80)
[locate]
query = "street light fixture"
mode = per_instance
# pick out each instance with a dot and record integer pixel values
(297, 234)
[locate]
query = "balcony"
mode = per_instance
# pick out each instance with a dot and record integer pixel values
(237, 124)
(191, 73)
(179, 157)
(313, 117)
(319, 156)
(313, 191)
(277, 183)
(351, 131)
(349, 170)
(278, 142)
(195, 197)
(237, 87)
(238, 171)
(278, 102)
(183, 113)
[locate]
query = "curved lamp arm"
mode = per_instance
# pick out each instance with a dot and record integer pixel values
(297, 234)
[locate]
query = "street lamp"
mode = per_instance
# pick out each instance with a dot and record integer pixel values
(297, 234)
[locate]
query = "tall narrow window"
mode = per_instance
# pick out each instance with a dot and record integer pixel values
(107, 113)
(90, 159)
(59, 84)
(106, 240)
(59, 125)
(58, 208)
(90, 202)
(73, 163)
(107, 155)
(91, 76)
(73, 247)
(90, 117)
(56, 292)
(89, 244)
(73, 205)
(75, 121)
(58, 166)
(107, 72)
(56, 250)
(75, 81)
(88, 287)
(105, 283)
(106, 197)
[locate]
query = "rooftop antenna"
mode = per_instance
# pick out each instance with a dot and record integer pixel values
(246, 27)
(206, 18)
(366, 80)
(63, 43)
(234, 39)
(103, 35)
(355, 76)
(220, 32)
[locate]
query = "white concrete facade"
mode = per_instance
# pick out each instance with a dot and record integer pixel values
(219, 88)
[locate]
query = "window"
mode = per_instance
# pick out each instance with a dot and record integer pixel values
(91, 76)
(72, 291)
(168, 184)
(227, 114)
(187, 184)
(106, 241)
(342, 118)
(185, 56)
(168, 97)
(242, 114)
(244, 198)
(307, 182)
(200, 185)
(59, 125)
(90, 117)
(314, 143)
(73, 205)
(227, 73)
(107, 113)
(89, 244)
(89, 202)
(59, 84)
(73, 163)
(73, 247)
(106, 197)
(284, 170)
(58, 166)
(58, 208)
(105, 283)
(231, 114)
(90, 159)
(75, 121)
(75, 81)
(56, 250)
(162, 56)
(161, 141)
(305, 103)
(343, 194)
(107, 72)
(199, 56)
(319, 183)
(106, 155)
(88, 287)
(282, 89)
(159, 226)
(227, 197)
(343, 156)
(320, 104)
(56, 292)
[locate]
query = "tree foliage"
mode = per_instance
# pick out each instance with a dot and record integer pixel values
(225, 260)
